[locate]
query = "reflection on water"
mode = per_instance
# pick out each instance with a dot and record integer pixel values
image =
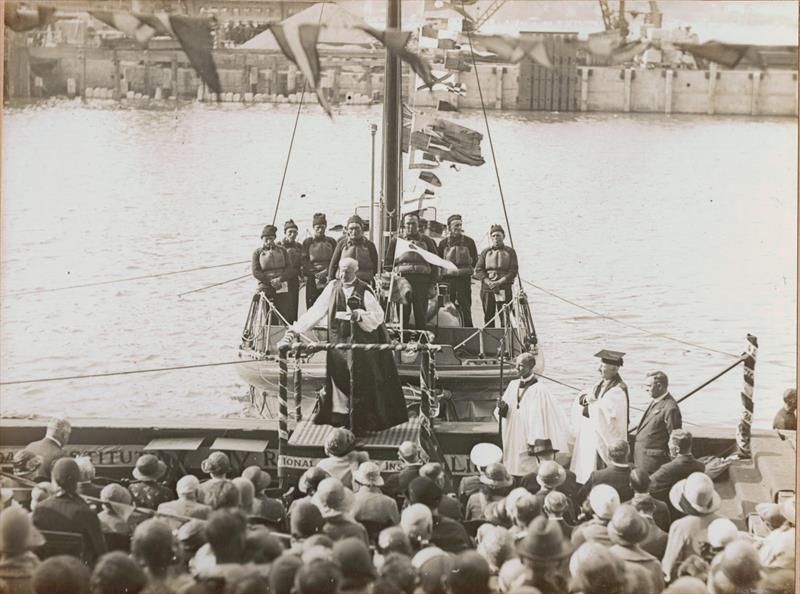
(683, 226)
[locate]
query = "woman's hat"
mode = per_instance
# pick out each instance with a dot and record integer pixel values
(332, 498)
(311, 478)
(368, 474)
(339, 442)
(551, 474)
(260, 478)
(496, 476)
(17, 532)
(695, 495)
(604, 501)
(149, 468)
(545, 540)
(216, 463)
(627, 527)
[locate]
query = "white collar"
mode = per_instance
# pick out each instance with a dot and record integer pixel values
(528, 378)
(55, 441)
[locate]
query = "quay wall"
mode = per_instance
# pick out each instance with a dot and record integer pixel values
(357, 77)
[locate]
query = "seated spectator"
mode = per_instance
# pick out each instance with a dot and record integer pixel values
(247, 495)
(556, 505)
(307, 485)
(188, 489)
(496, 483)
(448, 534)
(626, 530)
(617, 474)
(61, 574)
(318, 547)
(409, 454)
(596, 570)
(521, 508)
(18, 538)
(153, 548)
(550, 476)
(319, 577)
(217, 466)
(720, 532)
(449, 507)
(335, 503)
(694, 496)
(67, 512)
(87, 475)
(736, 570)
(470, 574)
(390, 541)
(117, 573)
(117, 508)
(305, 522)
(495, 513)
(282, 574)
(542, 450)
(495, 545)
(683, 464)
(433, 567)
(39, 456)
(370, 504)
(225, 532)
(655, 542)
(543, 551)
(603, 501)
(343, 458)
(786, 418)
(640, 483)
(777, 550)
(220, 495)
(191, 537)
(262, 548)
(417, 523)
(353, 558)
(397, 569)
(146, 490)
(265, 507)
(481, 455)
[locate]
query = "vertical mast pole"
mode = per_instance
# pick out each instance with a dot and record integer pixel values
(392, 126)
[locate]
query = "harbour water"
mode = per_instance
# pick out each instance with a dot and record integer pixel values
(679, 227)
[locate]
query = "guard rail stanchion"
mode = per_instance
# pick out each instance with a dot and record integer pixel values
(298, 389)
(283, 413)
(743, 429)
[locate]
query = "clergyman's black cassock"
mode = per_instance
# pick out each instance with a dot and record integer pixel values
(378, 401)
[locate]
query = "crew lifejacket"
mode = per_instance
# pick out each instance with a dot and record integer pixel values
(295, 251)
(320, 252)
(497, 262)
(410, 262)
(273, 262)
(360, 253)
(459, 255)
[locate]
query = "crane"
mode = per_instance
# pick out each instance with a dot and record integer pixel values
(490, 11)
(611, 22)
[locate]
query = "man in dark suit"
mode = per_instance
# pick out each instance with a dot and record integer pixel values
(683, 464)
(660, 419)
(66, 511)
(409, 454)
(540, 451)
(46, 451)
(617, 474)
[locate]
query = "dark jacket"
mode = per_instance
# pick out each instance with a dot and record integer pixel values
(338, 527)
(569, 487)
(49, 451)
(69, 513)
(618, 477)
(661, 516)
(672, 472)
(450, 535)
(265, 277)
(659, 420)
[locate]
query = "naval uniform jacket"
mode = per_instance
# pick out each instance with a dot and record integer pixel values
(659, 420)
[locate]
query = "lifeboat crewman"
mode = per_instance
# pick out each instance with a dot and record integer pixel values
(358, 247)
(497, 268)
(295, 251)
(413, 267)
(317, 253)
(271, 267)
(461, 251)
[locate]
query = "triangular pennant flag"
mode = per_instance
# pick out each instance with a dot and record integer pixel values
(24, 18)
(194, 35)
(727, 55)
(299, 44)
(514, 49)
(627, 52)
(430, 178)
(395, 41)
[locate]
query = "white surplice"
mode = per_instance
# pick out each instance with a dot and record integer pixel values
(532, 414)
(369, 321)
(607, 423)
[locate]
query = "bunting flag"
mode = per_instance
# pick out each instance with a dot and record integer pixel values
(515, 49)
(627, 52)
(298, 42)
(193, 33)
(726, 54)
(404, 246)
(457, 6)
(24, 18)
(445, 106)
(430, 178)
(395, 41)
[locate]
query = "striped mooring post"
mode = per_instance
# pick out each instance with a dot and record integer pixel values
(743, 429)
(283, 412)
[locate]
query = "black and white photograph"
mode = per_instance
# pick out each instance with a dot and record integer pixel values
(399, 296)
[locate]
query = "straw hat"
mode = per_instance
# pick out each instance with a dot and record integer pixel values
(496, 476)
(149, 468)
(368, 474)
(17, 532)
(216, 463)
(604, 501)
(483, 454)
(697, 490)
(332, 498)
(627, 527)
(551, 474)
(544, 541)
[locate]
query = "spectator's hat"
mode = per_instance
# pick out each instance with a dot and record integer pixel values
(149, 468)
(695, 495)
(261, 479)
(216, 463)
(604, 501)
(311, 478)
(332, 498)
(118, 498)
(66, 474)
(282, 573)
(17, 532)
(739, 563)
(496, 476)
(544, 541)
(512, 498)
(305, 520)
(627, 527)
(86, 468)
(483, 454)
(551, 474)
(424, 490)
(555, 502)
(368, 474)
(269, 231)
(192, 534)
(433, 566)
(393, 539)
(720, 532)
(409, 451)
(187, 484)
(353, 557)
(339, 442)
(543, 446)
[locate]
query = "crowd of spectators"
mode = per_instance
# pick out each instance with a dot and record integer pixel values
(348, 529)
